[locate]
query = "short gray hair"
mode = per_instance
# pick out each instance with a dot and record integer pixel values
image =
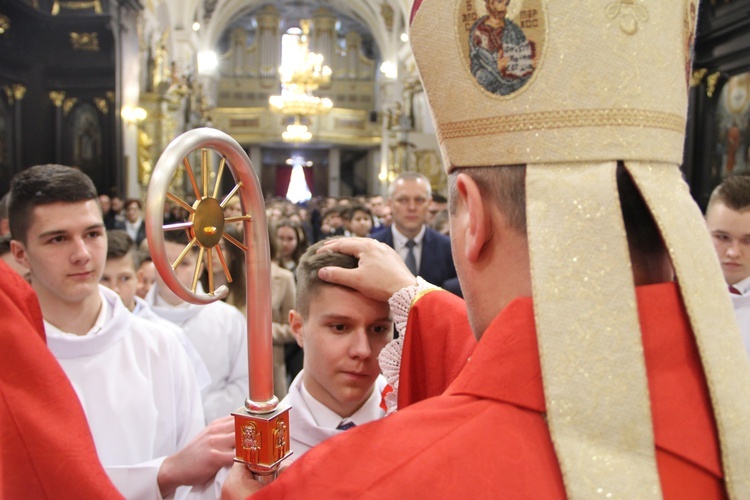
(410, 176)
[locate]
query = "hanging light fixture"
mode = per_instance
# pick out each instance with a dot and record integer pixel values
(301, 73)
(296, 132)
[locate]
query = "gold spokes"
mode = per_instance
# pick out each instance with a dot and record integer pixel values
(206, 224)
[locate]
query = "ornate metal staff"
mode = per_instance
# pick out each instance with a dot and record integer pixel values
(261, 426)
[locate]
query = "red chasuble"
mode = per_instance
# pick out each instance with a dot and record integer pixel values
(46, 449)
(485, 436)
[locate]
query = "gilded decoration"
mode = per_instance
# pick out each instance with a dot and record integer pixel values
(68, 104)
(57, 97)
(429, 164)
(57, 6)
(110, 96)
(85, 41)
(101, 104)
(145, 164)
(14, 92)
(697, 76)
(629, 13)
(4, 24)
(711, 82)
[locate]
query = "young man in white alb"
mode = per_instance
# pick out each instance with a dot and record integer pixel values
(134, 381)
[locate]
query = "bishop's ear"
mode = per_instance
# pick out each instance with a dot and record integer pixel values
(473, 217)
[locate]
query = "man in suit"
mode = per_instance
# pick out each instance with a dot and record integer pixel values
(426, 252)
(133, 223)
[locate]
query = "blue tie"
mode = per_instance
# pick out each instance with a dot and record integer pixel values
(344, 425)
(411, 259)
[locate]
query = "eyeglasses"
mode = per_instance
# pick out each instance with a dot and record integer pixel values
(405, 201)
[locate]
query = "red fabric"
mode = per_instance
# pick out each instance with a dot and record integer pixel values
(46, 447)
(433, 365)
(414, 8)
(486, 437)
(283, 176)
(688, 454)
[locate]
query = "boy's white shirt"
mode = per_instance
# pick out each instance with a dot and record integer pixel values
(218, 332)
(311, 422)
(143, 310)
(138, 390)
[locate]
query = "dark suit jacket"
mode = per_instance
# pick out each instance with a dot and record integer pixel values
(436, 264)
(141, 231)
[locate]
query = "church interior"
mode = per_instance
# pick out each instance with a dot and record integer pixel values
(326, 86)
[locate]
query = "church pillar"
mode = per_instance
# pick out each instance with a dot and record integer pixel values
(334, 170)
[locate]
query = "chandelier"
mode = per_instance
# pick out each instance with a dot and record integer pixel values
(301, 73)
(296, 132)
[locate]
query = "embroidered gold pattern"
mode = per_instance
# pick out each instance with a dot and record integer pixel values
(629, 13)
(563, 119)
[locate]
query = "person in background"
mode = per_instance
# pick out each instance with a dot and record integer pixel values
(438, 203)
(426, 252)
(358, 221)
(217, 330)
(728, 221)
(134, 225)
(109, 215)
(291, 243)
(145, 274)
(332, 223)
(120, 276)
(282, 299)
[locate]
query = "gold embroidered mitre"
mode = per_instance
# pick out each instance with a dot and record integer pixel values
(569, 88)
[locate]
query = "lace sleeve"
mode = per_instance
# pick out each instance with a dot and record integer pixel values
(390, 356)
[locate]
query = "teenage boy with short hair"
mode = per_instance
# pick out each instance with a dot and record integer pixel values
(342, 332)
(120, 276)
(134, 380)
(728, 221)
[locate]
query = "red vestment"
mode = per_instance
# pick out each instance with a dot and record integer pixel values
(46, 449)
(485, 436)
